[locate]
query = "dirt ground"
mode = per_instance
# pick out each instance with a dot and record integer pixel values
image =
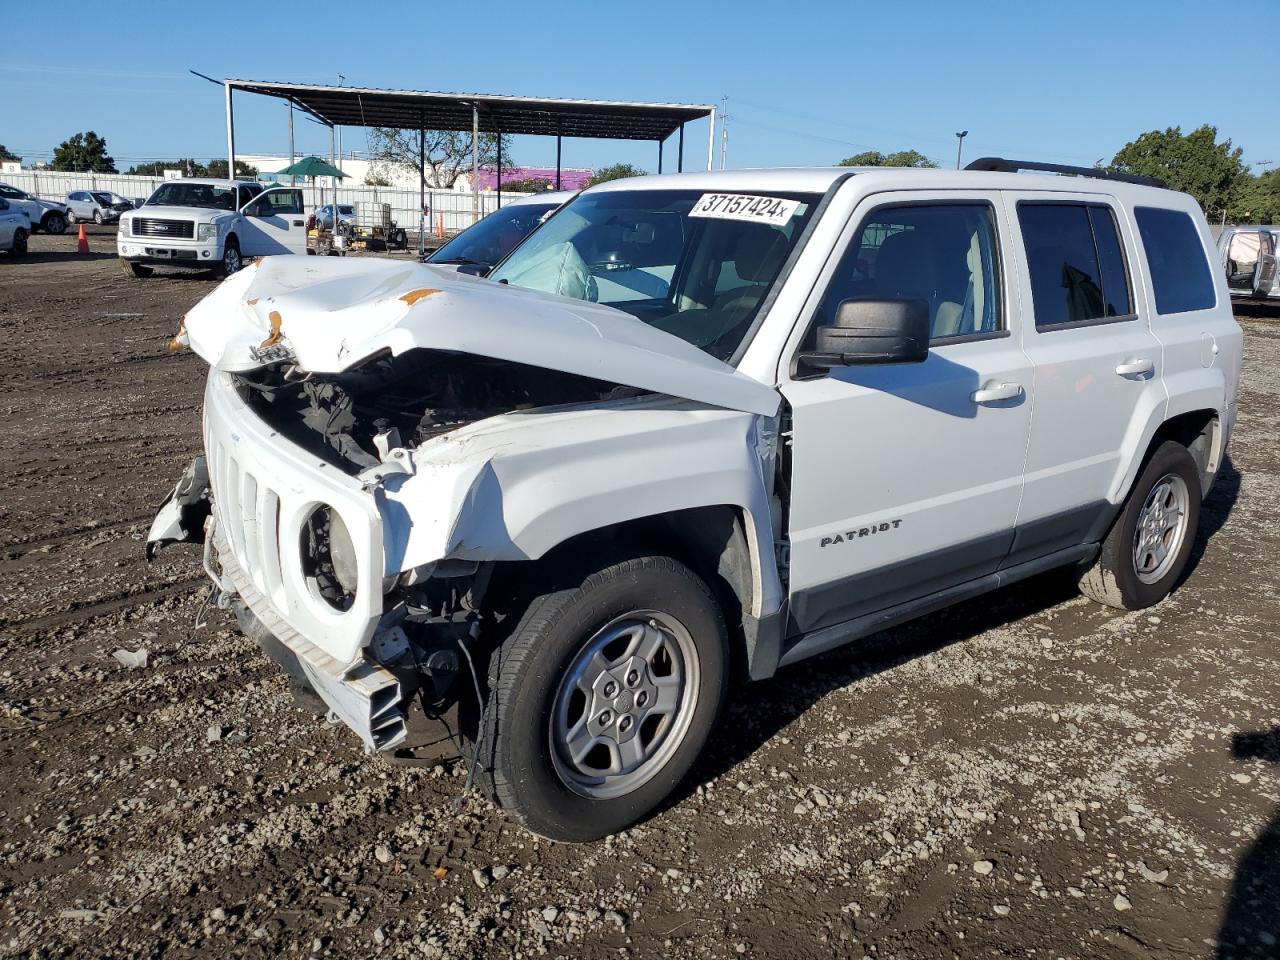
(1026, 775)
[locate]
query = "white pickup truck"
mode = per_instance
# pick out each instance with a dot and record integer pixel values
(698, 425)
(210, 225)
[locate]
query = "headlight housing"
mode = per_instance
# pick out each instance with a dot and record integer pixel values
(206, 231)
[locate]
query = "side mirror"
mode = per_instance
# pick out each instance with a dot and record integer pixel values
(872, 330)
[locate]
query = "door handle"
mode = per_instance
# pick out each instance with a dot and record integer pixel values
(1136, 367)
(297, 223)
(993, 391)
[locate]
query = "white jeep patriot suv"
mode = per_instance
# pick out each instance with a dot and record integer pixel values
(210, 225)
(696, 424)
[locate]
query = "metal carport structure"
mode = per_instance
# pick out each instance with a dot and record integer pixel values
(479, 113)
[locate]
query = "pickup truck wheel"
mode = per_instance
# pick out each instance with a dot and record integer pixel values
(135, 269)
(1147, 549)
(19, 243)
(231, 262)
(54, 223)
(602, 698)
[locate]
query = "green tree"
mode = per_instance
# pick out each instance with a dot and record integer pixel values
(1257, 199)
(902, 158)
(1195, 163)
(156, 168)
(448, 152)
(372, 179)
(84, 152)
(616, 171)
(218, 170)
(7, 154)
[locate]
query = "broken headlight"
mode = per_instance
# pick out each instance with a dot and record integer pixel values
(329, 557)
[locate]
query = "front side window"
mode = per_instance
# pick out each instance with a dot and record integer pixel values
(1176, 260)
(942, 254)
(694, 264)
(10, 192)
(277, 202)
(1076, 263)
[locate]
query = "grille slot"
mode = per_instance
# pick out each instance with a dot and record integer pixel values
(153, 227)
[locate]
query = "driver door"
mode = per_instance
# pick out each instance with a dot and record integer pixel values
(906, 477)
(273, 222)
(1264, 273)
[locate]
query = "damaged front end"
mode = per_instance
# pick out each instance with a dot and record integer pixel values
(379, 438)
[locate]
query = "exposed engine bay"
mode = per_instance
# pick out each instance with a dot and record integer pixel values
(352, 418)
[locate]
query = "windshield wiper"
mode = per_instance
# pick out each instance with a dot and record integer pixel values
(461, 260)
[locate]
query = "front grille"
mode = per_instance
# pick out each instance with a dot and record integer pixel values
(150, 227)
(249, 513)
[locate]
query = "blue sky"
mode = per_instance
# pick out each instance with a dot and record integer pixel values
(808, 83)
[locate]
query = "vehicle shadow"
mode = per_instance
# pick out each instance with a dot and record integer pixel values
(59, 256)
(756, 713)
(1251, 922)
(1214, 512)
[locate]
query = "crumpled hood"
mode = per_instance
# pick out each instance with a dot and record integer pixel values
(328, 315)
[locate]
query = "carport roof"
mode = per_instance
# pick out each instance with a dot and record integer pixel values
(539, 116)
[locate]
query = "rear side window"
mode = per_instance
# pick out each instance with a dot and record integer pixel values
(1077, 264)
(1176, 260)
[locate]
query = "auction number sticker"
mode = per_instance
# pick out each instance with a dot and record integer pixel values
(742, 206)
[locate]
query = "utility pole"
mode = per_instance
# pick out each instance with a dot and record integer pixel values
(960, 135)
(340, 79)
(724, 130)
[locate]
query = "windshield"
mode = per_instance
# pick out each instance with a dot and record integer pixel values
(211, 195)
(103, 198)
(495, 236)
(696, 265)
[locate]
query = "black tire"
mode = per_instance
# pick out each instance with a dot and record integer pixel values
(526, 671)
(1114, 579)
(135, 269)
(54, 223)
(232, 262)
(72, 219)
(19, 243)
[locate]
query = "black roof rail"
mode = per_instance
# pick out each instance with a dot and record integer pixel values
(1001, 165)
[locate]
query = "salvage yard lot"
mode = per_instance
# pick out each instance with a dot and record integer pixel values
(1028, 774)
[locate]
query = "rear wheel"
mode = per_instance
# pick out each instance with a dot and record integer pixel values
(1148, 547)
(602, 698)
(19, 242)
(135, 269)
(54, 223)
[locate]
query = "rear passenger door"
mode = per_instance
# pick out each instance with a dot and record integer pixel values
(1097, 379)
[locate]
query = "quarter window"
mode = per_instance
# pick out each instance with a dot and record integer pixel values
(1176, 260)
(943, 254)
(1076, 263)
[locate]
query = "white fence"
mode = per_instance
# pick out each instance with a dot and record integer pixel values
(449, 210)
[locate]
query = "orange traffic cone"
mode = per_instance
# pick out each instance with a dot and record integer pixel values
(82, 242)
(440, 226)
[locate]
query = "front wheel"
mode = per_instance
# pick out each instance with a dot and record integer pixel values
(54, 223)
(602, 697)
(231, 262)
(1148, 547)
(97, 217)
(19, 242)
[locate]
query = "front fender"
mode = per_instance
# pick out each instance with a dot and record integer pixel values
(524, 483)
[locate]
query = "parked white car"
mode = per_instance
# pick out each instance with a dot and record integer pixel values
(100, 206)
(15, 228)
(211, 224)
(1249, 255)
(346, 216)
(47, 215)
(696, 421)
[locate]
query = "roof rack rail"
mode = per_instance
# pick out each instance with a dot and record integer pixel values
(1001, 165)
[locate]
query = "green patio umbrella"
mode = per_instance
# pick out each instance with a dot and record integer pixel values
(311, 167)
